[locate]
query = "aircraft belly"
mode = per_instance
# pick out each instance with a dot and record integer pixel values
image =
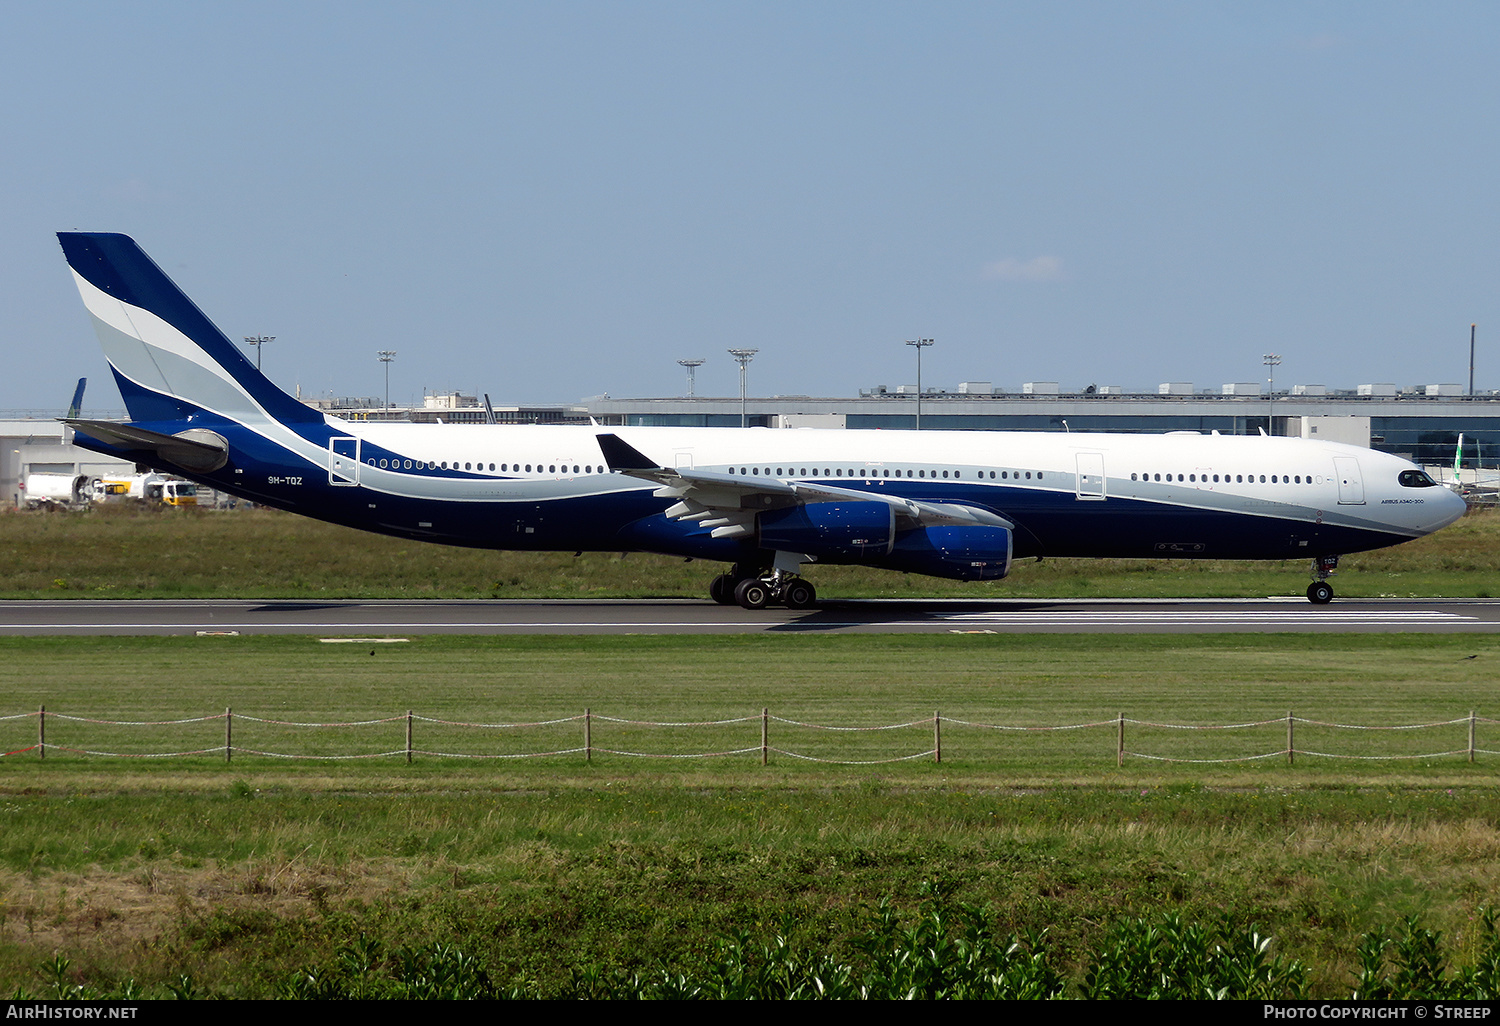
(1134, 529)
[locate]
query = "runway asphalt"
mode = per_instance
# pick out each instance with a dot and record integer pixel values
(683, 616)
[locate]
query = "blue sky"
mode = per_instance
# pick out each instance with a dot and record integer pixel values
(545, 201)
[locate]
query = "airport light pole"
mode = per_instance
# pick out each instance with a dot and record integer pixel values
(385, 356)
(691, 365)
(743, 358)
(921, 344)
(1472, 328)
(1272, 361)
(257, 341)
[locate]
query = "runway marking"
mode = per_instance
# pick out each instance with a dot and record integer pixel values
(1021, 620)
(1234, 618)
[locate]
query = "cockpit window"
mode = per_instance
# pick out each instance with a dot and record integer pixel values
(1416, 479)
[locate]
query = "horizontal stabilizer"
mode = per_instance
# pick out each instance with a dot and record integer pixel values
(196, 450)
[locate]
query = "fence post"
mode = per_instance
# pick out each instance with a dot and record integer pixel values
(228, 733)
(1291, 757)
(765, 736)
(588, 736)
(41, 733)
(937, 736)
(1120, 742)
(1471, 735)
(408, 737)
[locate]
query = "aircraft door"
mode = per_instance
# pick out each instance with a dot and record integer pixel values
(1090, 475)
(343, 461)
(1351, 486)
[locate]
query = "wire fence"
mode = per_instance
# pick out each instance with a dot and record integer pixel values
(589, 735)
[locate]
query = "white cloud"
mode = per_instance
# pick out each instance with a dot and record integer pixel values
(1042, 268)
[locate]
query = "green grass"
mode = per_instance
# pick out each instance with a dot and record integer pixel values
(976, 682)
(126, 552)
(243, 876)
(188, 875)
(239, 886)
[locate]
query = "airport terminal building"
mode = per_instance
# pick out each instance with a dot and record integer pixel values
(1420, 426)
(1422, 423)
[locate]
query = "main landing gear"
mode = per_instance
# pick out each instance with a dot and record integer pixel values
(762, 588)
(1320, 592)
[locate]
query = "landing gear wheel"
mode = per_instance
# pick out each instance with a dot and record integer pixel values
(721, 589)
(799, 594)
(752, 594)
(1320, 593)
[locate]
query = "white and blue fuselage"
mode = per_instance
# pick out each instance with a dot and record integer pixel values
(953, 504)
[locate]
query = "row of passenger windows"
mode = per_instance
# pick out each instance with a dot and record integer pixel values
(874, 474)
(505, 468)
(1227, 479)
(553, 468)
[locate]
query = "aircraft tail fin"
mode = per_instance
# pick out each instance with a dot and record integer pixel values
(76, 405)
(169, 359)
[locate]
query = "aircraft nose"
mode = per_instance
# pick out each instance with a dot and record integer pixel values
(1450, 509)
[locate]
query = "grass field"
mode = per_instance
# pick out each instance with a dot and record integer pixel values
(268, 876)
(128, 552)
(832, 681)
(241, 877)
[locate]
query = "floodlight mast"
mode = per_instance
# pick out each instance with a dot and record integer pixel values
(743, 358)
(921, 344)
(691, 365)
(1272, 361)
(1472, 329)
(257, 341)
(385, 356)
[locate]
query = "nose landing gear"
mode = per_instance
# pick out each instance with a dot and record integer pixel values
(1320, 592)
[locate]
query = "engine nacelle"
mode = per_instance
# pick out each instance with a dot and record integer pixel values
(834, 532)
(961, 553)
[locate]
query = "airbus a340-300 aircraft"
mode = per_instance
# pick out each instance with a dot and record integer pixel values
(955, 504)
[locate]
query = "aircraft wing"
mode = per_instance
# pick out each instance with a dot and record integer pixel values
(728, 503)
